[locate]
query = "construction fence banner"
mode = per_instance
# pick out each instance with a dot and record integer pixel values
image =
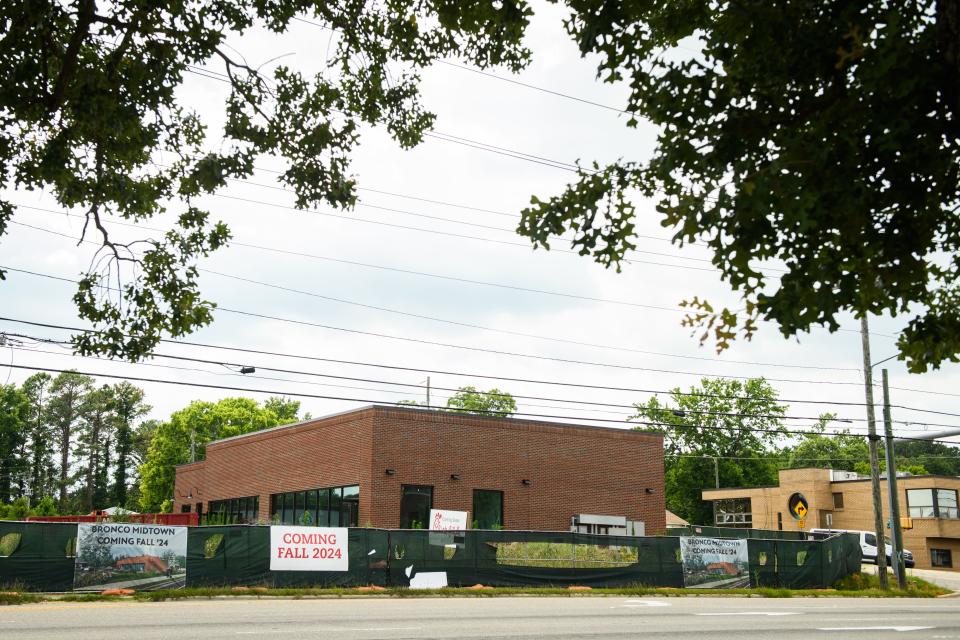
(309, 549)
(42, 557)
(715, 563)
(130, 555)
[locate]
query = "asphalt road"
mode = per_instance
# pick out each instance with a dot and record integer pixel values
(703, 618)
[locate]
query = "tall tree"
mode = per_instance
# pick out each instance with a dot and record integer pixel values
(192, 428)
(842, 451)
(128, 408)
(823, 136)
(94, 438)
(725, 426)
(36, 388)
(129, 60)
(493, 402)
(67, 396)
(14, 410)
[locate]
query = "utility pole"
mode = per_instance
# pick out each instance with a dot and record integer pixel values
(874, 461)
(193, 445)
(428, 391)
(896, 536)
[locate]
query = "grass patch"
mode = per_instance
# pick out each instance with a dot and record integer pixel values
(563, 555)
(868, 584)
(15, 597)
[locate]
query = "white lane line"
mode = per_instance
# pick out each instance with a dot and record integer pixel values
(377, 629)
(751, 613)
(874, 628)
(635, 604)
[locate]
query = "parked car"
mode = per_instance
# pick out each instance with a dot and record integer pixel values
(868, 545)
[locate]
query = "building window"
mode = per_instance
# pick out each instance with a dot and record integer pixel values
(733, 512)
(932, 503)
(415, 504)
(947, 503)
(184, 508)
(838, 501)
(941, 558)
(327, 507)
(233, 511)
(487, 509)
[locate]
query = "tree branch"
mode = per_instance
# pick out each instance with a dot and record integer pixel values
(85, 17)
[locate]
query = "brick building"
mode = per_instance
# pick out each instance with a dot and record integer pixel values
(928, 504)
(387, 466)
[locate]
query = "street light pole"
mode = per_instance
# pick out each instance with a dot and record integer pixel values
(874, 461)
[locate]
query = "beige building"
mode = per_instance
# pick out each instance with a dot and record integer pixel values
(927, 503)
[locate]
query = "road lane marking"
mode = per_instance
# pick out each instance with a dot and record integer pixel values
(874, 628)
(371, 629)
(750, 613)
(634, 604)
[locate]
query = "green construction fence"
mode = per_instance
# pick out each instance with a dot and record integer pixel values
(39, 557)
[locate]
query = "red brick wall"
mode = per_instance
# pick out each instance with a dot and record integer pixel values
(572, 469)
(328, 452)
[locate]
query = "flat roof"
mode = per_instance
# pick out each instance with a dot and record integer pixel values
(437, 412)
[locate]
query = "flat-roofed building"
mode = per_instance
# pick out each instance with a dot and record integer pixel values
(843, 500)
(386, 466)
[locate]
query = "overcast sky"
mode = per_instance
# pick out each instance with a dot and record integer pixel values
(650, 349)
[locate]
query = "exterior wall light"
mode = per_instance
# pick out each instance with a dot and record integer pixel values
(648, 490)
(454, 476)
(391, 472)
(246, 370)
(525, 482)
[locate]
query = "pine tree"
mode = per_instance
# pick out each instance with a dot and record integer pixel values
(67, 395)
(13, 413)
(128, 408)
(96, 427)
(39, 448)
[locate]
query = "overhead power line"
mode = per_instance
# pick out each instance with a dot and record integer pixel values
(314, 256)
(462, 347)
(395, 269)
(430, 318)
(586, 405)
(479, 376)
(491, 413)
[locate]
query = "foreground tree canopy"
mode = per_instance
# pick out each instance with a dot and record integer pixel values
(819, 137)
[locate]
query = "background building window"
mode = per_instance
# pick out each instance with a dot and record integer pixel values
(838, 501)
(487, 509)
(941, 558)
(932, 503)
(233, 511)
(947, 503)
(327, 507)
(733, 512)
(415, 504)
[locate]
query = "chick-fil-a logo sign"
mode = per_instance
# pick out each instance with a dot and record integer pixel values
(443, 520)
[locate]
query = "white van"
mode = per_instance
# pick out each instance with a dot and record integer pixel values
(868, 545)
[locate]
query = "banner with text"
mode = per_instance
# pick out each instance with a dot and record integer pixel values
(714, 563)
(136, 556)
(308, 549)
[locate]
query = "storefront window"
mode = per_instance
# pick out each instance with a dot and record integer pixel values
(415, 504)
(487, 509)
(327, 507)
